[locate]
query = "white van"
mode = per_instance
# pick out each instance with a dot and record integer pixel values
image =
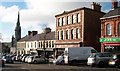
(77, 55)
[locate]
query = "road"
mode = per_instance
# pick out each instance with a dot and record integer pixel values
(20, 66)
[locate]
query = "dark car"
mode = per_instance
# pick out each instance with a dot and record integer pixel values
(2, 62)
(8, 59)
(115, 61)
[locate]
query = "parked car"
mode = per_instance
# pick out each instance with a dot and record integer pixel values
(37, 59)
(59, 60)
(2, 62)
(8, 59)
(99, 59)
(115, 61)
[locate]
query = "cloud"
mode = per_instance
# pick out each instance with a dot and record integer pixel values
(38, 13)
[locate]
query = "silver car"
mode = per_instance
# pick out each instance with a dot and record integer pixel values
(37, 59)
(99, 59)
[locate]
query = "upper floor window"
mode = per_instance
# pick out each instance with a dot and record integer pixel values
(58, 35)
(61, 35)
(63, 21)
(108, 29)
(67, 34)
(39, 44)
(74, 18)
(49, 43)
(52, 43)
(35, 44)
(59, 21)
(31, 44)
(78, 17)
(77, 33)
(119, 28)
(72, 34)
(68, 20)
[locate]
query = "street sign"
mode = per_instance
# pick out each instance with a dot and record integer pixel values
(109, 39)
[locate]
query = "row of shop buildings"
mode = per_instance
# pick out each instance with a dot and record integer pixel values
(77, 28)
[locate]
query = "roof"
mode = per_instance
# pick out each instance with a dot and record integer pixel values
(26, 38)
(49, 36)
(83, 8)
(112, 13)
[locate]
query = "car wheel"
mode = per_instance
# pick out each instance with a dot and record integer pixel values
(62, 62)
(101, 64)
(35, 62)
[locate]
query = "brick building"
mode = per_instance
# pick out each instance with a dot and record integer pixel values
(110, 29)
(79, 27)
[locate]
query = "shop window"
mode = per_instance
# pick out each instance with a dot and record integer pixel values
(108, 29)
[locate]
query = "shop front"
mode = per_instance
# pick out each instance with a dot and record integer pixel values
(110, 45)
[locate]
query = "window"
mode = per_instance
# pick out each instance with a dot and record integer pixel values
(119, 28)
(59, 21)
(39, 44)
(61, 35)
(68, 20)
(67, 34)
(63, 21)
(78, 17)
(72, 34)
(77, 33)
(108, 29)
(49, 43)
(58, 35)
(74, 18)
(31, 44)
(35, 44)
(52, 43)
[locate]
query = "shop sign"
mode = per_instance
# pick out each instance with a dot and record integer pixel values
(109, 39)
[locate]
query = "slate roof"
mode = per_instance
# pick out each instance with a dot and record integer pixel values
(26, 38)
(49, 36)
(112, 13)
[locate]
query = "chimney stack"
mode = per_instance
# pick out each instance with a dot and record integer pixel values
(96, 6)
(47, 30)
(32, 33)
(114, 4)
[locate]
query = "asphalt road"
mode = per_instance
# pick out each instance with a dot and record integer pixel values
(20, 66)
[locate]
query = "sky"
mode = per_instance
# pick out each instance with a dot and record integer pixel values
(37, 14)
